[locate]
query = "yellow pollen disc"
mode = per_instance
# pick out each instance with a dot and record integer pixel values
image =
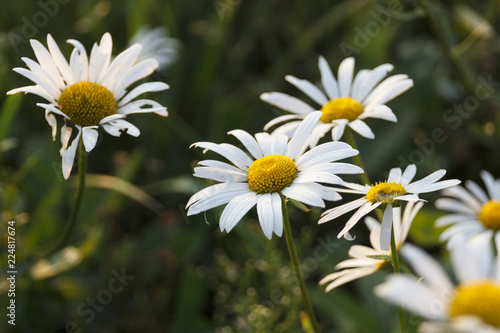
(87, 103)
(478, 299)
(385, 192)
(489, 215)
(341, 108)
(271, 173)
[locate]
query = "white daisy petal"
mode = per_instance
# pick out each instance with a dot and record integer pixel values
(376, 75)
(338, 129)
(345, 75)
(475, 189)
(385, 232)
(68, 156)
(142, 89)
(406, 291)
(60, 61)
(90, 135)
(333, 213)
(427, 268)
(298, 143)
(308, 88)
(277, 211)
(327, 79)
(303, 193)
(248, 141)
(51, 120)
(281, 119)
(65, 136)
(236, 209)
(287, 103)
(380, 112)
(361, 128)
(214, 196)
(266, 214)
(365, 209)
(232, 153)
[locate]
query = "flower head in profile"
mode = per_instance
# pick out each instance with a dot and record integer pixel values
(470, 306)
(348, 101)
(473, 210)
(273, 167)
(367, 260)
(390, 193)
(89, 92)
(156, 44)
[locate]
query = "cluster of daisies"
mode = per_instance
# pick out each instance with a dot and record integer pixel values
(290, 164)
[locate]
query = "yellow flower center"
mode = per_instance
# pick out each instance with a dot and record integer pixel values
(385, 192)
(478, 299)
(341, 108)
(87, 103)
(271, 173)
(489, 215)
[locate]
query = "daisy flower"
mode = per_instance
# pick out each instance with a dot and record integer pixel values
(157, 45)
(347, 102)
(367, 260)
(398, 187)
(433, 296)
(474, 210)
(89, 92)
(273, 166)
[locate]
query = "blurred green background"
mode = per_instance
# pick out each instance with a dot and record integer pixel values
(182, 274)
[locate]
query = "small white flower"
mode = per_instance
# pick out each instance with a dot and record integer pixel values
(432, 295)
(157, 45)
(474, 211)
(89, 92)
(348, 101)
(273, 165)
(398, 187)
(367, 260)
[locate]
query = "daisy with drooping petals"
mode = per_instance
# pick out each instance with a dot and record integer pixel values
(348, 100)
(398, 187)
(473, 303)
(474, 211)
(274, 166)
(90, 92)
(157, 45)
(367, 260)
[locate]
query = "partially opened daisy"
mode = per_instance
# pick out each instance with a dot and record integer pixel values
(348, 101)
(389, 194)
(474, 210)
(473, 303)
(273, 165)
(156, 44)
(89, 92)
(367, 260)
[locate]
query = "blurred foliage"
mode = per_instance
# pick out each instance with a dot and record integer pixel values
(183, 274)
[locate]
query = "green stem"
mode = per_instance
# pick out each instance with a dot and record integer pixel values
(359, 162)
(397, 270)
(357, 158)
(295, 264)
(82, 171)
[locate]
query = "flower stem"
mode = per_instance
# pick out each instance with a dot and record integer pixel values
(397, 270)
(357, 158)
(82, 171)
(359, 162)
(295, 264)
